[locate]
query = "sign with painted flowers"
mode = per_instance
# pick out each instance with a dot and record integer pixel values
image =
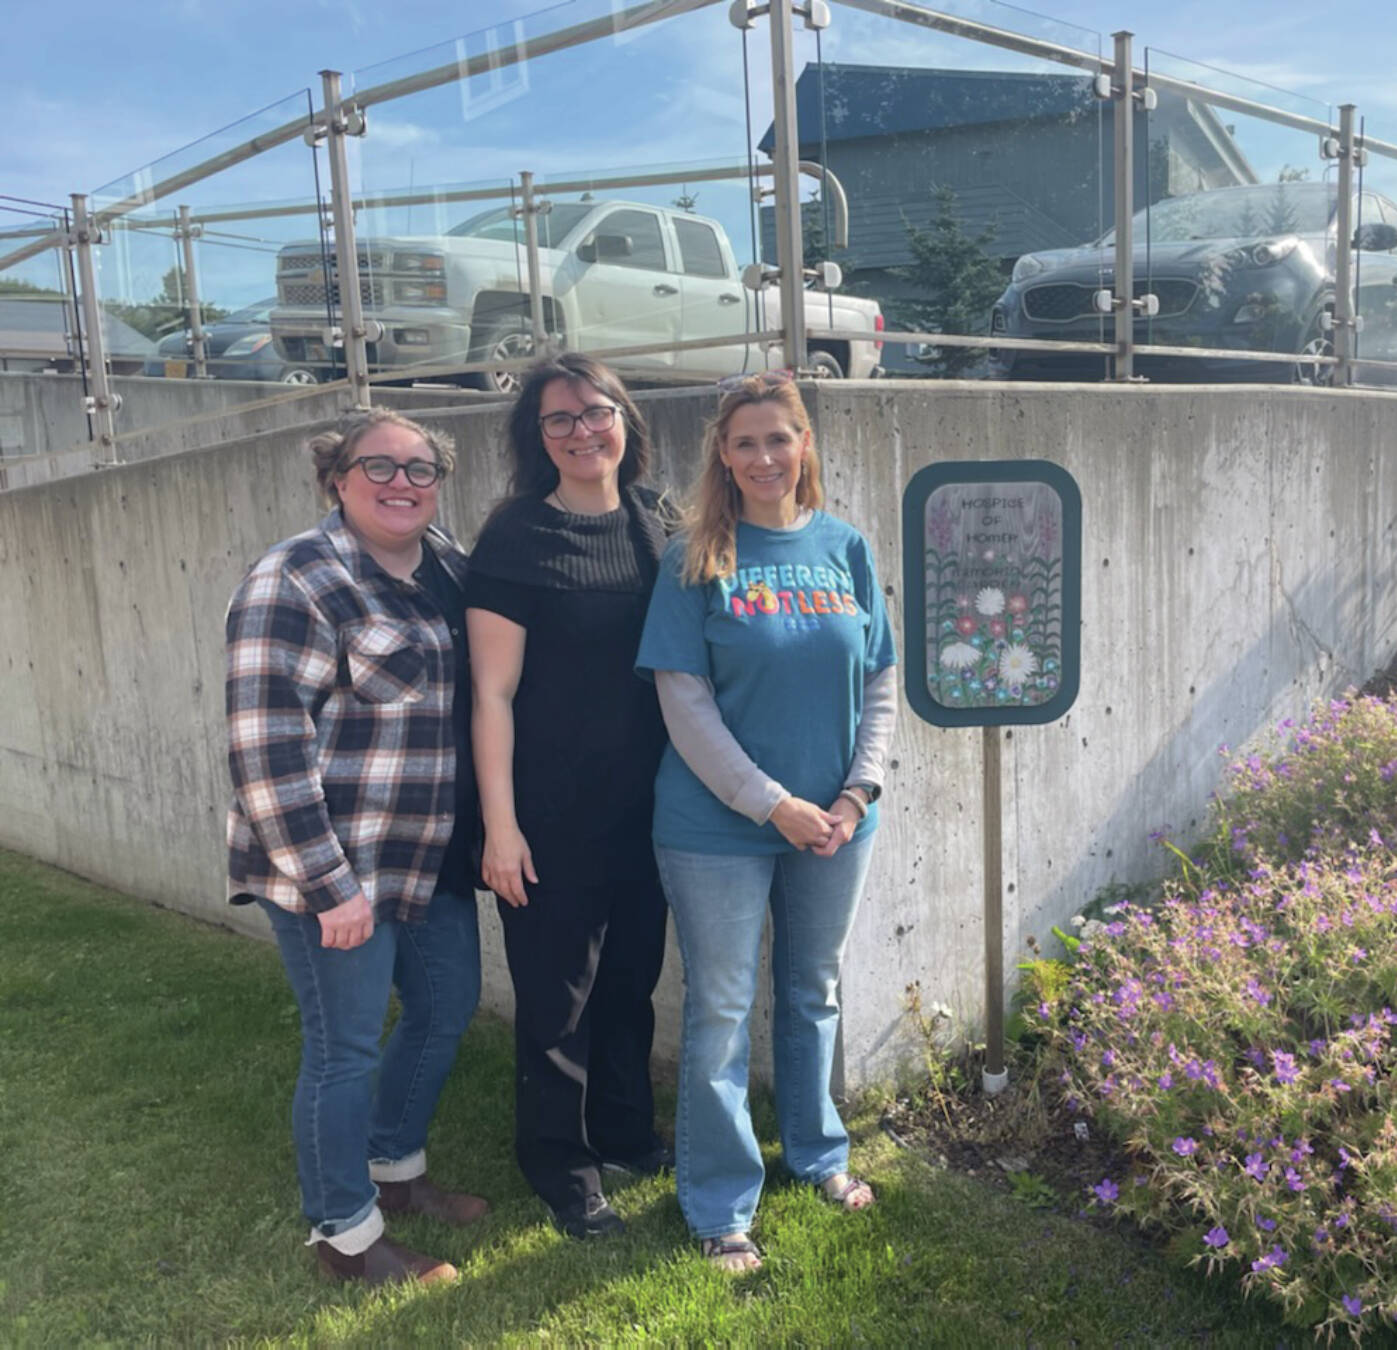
(992, 569)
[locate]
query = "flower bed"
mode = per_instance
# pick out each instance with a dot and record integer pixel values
(1239, 1035)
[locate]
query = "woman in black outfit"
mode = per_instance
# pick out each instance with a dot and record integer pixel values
(567, 741)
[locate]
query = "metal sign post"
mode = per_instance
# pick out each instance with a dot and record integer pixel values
(992, 577)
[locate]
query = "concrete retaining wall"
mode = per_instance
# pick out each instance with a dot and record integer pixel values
(44, 431)
(1237, 564)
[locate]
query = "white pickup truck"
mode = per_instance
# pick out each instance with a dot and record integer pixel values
(613, 274)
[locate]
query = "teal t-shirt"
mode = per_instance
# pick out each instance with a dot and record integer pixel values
(787, 641)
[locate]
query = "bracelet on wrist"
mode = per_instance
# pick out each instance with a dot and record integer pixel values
(858, 802)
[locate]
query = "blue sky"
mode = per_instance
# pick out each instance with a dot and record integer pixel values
(110, 88)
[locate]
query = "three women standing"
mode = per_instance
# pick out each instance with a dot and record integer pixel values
(567, 739)
(773, 657)
(354, 808)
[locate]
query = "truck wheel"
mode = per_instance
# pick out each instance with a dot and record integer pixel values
(298, 375)
(503, 339)
(825, 366)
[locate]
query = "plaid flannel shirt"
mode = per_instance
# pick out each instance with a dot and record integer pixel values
(339, 690)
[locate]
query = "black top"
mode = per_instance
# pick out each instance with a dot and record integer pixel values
(587, 730)
(459, 868)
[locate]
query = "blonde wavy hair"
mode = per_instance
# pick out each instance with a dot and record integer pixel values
(714, 503)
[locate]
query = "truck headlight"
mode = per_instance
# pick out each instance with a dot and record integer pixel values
(418, 262)
(420, 292)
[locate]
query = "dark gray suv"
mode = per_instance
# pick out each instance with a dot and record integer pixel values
(1242, 268)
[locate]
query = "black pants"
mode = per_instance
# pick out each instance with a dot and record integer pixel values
(584, 961)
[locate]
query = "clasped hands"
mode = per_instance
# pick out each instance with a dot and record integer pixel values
(807, 826)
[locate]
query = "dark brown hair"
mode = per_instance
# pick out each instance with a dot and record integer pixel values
(533, 473)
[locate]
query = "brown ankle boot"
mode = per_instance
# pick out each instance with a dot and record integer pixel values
(420, 1196)
(382, 1262)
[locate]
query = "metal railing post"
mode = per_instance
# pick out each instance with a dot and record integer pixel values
(790, 249)
(531, 210)
(102, 403)
(187, 233)
(1123, 286)
(1343, 262)
(337, 127)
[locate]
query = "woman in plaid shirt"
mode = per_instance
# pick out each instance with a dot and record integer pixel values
(353, 824)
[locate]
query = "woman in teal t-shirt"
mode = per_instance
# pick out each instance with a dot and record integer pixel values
(773, 658)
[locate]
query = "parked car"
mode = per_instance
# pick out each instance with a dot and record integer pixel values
(613, 274)
(1240, 268)
(236, 348)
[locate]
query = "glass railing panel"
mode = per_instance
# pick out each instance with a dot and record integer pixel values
(636, 141)
(965, 163)
(38, 322)
(1234, 232)
(1375, 258)
(39, 329)
(197, 235)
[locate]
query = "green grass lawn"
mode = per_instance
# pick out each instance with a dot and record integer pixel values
(146, 1068)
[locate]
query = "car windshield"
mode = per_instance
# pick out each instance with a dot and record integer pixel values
(1237, 213)
(501, 224)
(258, 313)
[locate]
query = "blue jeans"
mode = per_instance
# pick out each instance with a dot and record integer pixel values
(353, 1104)
(719, 903)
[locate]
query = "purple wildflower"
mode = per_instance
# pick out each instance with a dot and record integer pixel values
(1286, 1072)
(1293, 1180)
(1106, 1191)
(1166, 1080)
(1216, 1237)
(1277, 1256)
(1266, 1225)
(1256, 1167)
(1353, 1305)
(1185, 1146)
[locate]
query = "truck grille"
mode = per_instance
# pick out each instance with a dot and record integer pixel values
(301, 278)
(1062, 302)
(310, 291)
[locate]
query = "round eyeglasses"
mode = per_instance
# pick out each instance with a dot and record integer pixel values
(597, 417)
(420, 473)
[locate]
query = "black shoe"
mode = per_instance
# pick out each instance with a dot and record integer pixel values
(589, 1218)
(649, 1164)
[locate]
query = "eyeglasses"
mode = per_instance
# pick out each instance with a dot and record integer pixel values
(767, 379)
(421, 473)
(597, 417)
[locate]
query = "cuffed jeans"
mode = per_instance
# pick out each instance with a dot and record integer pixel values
(719, 903)
(353, 1104)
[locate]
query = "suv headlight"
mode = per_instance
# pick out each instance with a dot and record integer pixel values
(1028, 266)
(418, 262)
(1264, 254)
(249, 345)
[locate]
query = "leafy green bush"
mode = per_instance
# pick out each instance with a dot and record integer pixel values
(1239, 1036)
